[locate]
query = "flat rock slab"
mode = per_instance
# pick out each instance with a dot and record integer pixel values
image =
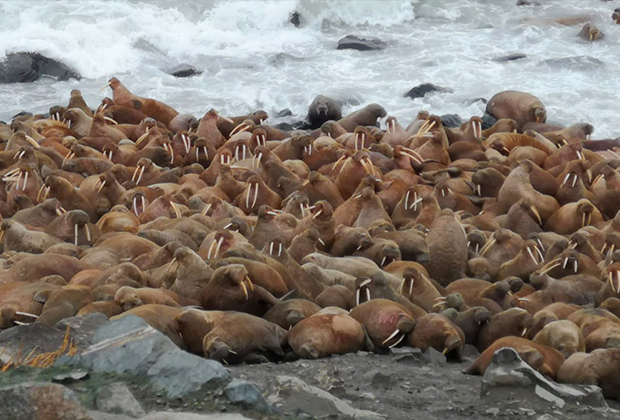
(508, 377)
(116, 398)
(83, 328)
(354, 42)
(130, 345)
(40, 401)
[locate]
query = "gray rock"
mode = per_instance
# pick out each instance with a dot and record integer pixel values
(578, 63)
(407, 355)
(378, 379)
(131, 345)
(22, 67)
(162, 415)
(470, 352)
(510, 378)
(435, 357)
(98, 415)
(184, 70)
(422, 90)
(469, 102)
(247, 394)
(354, 42)
(24, 338)
(116, 398)
(510, 57)
(294, 395)
(284, 113)
(488, 121)
(32, 400)
(83, 328)
(451, 120)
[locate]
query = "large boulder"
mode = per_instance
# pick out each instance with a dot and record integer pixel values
(424, 89)
(40, 401)
(22, 67)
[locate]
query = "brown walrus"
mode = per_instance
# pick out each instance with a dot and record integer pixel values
(519, 106)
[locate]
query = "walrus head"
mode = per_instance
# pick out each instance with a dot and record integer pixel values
(616, 16)
(540, 114)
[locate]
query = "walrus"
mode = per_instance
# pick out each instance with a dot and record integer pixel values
(438, 332)
(243, 337)
(386, 322)
(513, 321)
(289, 313)
(129, 297)
(546, 360)
(18, 238)
(365, 116)
(519, 106)
(447, 245)
(591, 33)
(322, 335)
(160, 317)
(62, 303)
(109, 308)
(562, 335)
(322, 109)
(194, 324)
(598, 368)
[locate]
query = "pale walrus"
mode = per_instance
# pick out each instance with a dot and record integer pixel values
(520, 106)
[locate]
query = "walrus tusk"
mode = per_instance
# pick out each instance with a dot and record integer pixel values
(102, 184)
(535, 211)
(135, 206)
(542, 259)
(445, 351)
(245, 290)
(574, 181)
(611, 282)
(397, 342)
(238, 129)
(613, 153)
(213, 243)
(545, 271)
(219, 245)
(176, 209)
(249, 282)
(255, 195)
(321, 241)
(565, 179)
(576, 266)
(565, 263)
(247, 197)
(142, 168)
(580, 155)
(87, 230)
(279, 249)
(317, 214)
(75, 231)
(141, 138)
(111, 120)
(487, 246)
(102, 89)
(206, 209)
(394, 334)
(529, 251)
(25, 181)
(26, 314)
(33, 142)
(524, 332)
(343, 157)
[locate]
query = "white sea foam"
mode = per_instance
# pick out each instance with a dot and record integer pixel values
(254, 58)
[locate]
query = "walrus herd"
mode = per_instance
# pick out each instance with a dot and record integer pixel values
(247, 243)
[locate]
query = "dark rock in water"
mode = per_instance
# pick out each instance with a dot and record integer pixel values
(488, 121)
(510, 57)
(131, 345)
(527, 3)
(284, 126)
(281, 58)
(451, 120)
(422, 90)
(579, 63)
(83, 328)
(24, 338)
(509, 378)
(247, 394)
(473, 101)
(184, 70)
(23, 67)
(294, 395)
(116, 398)
(322, 109)
(284, 113)
(34, 400)
(294, 18)
(354, 42)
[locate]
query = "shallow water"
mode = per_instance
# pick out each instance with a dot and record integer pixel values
(253, 57)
